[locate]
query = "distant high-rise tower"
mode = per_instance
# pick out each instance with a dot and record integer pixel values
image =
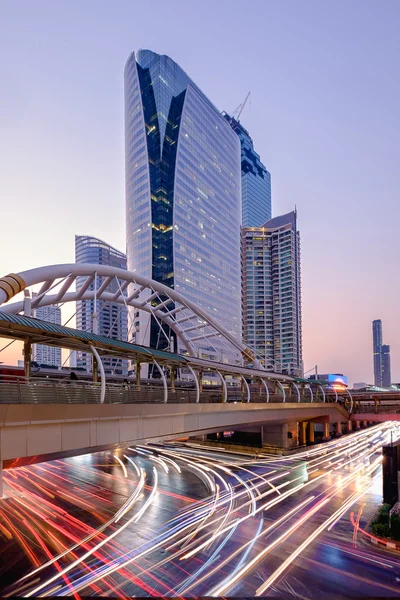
(112, 318)
(272, 293)
(377, 351)
(182, 198)
(386, 375)
(47, 355)
(256, 180)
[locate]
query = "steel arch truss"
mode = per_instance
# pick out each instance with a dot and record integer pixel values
(190, 323)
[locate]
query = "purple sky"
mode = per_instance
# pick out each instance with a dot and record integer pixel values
(324, 116)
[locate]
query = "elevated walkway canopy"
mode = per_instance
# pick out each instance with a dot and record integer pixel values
(35, 331)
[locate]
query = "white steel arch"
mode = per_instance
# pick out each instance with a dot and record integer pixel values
(189, 322)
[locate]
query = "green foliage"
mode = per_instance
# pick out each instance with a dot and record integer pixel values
(380, 525)
(380, 529)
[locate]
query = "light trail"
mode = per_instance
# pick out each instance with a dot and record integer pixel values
(129, 561)
(199, 532)
(331, 521)
(133, 519)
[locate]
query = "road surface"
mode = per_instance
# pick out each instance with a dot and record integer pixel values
(184, 520)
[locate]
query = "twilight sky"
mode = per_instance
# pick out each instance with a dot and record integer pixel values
(324, 116)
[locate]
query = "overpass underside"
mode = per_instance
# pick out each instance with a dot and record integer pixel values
(70, 429)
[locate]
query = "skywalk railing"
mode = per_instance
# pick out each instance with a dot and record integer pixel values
(35, 390)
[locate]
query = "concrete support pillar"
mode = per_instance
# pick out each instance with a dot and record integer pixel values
(95, 375)
(303, 433)
(138, 366)
(338, 429)
(358, 426)
(365, 423)
(311, 433)
(326, 431)
(275, 435)
(172, 377)
(349, 426)
(27, 358)
(260, 387)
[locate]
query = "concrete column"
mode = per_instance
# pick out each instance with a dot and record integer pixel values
(365, 423)
(200, 381)
(260, 387)
(349, 426)
(358, 425)
(275, 435)
(27, 358)
(95, 375)
(326, 431)
(303, 434)
(138, 367)
(338, 429)
(172, 376)
(311, 433)
(292, 434)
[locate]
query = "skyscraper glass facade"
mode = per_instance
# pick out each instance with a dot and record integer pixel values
(377, 351)
(47, 355)
(272, 293)
(386, 374)
(256, 180)
(183, 203)
(112, 318)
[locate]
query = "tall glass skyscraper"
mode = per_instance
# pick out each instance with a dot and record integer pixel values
(256, 180)
(183, 198)
(112, 318)
(272, 293)
(47, 355)
(377, 351)
(386, 374)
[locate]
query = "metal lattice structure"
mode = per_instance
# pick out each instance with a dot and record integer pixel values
(190, 323)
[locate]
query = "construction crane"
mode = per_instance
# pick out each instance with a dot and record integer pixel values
(238, 111)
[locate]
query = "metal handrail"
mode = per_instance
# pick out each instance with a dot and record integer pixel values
(23, 390)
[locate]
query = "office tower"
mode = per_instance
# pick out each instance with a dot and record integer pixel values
(183, 200)
(112, 318)
(377, 351)
(47, 355)
(256, 180)
(386, 375)
(272, 293)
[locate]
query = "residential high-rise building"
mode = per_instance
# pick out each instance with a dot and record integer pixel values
(47, 355)
(386, 375)
(112, 318)
(256, 180)
(272, 293)
(183, 198)
(377, 351)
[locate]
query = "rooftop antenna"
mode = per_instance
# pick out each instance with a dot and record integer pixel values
(238, 111)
